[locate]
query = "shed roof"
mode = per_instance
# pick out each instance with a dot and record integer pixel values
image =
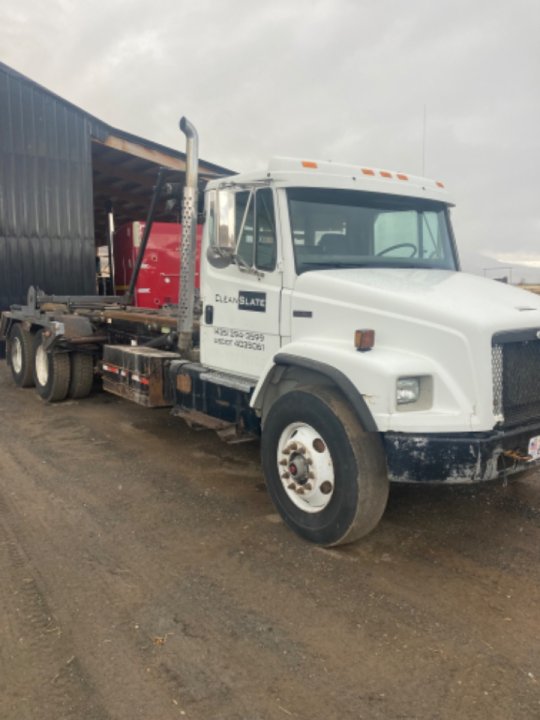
(124, 166)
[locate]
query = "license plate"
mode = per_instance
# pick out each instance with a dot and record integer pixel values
(534, 447)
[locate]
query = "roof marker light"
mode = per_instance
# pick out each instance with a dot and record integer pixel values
(367, 171)
(439, 184)
(309, 164)
(402, 176)
(385, 173)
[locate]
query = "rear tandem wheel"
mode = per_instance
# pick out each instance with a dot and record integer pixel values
(52, 371)
(82, 375)
(20, 355)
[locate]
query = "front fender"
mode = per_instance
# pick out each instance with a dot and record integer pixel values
(313, 363)
(368, 381)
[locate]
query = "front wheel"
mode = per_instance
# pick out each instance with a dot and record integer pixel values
(326, 476)
(52, 372)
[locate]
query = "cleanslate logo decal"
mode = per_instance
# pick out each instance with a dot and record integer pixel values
(254, 301)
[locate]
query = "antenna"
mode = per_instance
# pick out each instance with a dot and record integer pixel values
(424, 142)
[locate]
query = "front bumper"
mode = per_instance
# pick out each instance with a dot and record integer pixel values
(458, 457)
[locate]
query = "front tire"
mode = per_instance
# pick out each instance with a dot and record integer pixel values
(52, 372)
(326, 476)
(20, 356)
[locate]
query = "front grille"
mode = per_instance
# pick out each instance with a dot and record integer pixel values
(497, 372)
(516, 381)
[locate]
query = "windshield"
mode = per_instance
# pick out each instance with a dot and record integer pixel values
(347, 228)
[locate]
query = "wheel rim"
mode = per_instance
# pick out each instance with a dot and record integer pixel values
(305, 467)
(42, 366)
(16, 355)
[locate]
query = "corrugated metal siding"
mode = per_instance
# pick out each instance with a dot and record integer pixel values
(46, 213)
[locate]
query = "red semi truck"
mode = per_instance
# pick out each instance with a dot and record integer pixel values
(157, 282)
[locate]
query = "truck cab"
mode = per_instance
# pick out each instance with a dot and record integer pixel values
(299, 229)
(347, 279)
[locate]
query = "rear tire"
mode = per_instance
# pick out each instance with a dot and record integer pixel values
(20, 355)
(82, 375)
(52, 372)
(326, 476)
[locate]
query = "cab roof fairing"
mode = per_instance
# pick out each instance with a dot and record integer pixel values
(290, 172)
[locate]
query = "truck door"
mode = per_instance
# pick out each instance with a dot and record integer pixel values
(240, 327)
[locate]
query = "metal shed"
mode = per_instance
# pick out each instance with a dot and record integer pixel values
(61, 171)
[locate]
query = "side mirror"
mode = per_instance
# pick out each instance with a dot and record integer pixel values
(220, 257)
(222, 247)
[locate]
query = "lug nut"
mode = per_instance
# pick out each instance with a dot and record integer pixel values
(292, 486)
(311, 475)
(308, 487)
(283, 462)
(293, 446)
(286, 476)
(300, 490)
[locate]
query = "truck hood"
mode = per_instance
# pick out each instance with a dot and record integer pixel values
(435, 324)
(441, 297)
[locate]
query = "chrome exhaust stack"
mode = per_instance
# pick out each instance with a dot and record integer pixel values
(186, 297)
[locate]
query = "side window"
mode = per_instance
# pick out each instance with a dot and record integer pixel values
(255, 229)
(265, 252)
(244, 222)
(431, 237)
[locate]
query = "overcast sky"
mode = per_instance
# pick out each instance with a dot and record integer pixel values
(344, 80)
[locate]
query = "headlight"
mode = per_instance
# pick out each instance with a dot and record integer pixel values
(407, 390)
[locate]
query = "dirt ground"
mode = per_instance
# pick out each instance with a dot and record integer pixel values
(144, 574)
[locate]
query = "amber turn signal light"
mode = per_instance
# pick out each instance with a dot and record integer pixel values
(364, 340)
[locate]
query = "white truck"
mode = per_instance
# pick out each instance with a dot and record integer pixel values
(334, 322)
